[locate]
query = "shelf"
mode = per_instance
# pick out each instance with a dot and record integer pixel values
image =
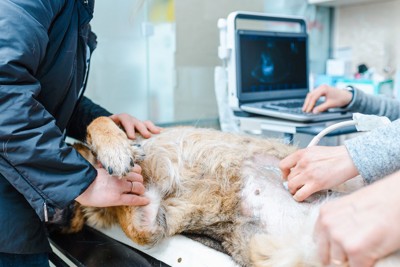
(336, 3)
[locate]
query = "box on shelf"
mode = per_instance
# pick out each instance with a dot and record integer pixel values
(321, 79)
(384, 88)
(338, 67)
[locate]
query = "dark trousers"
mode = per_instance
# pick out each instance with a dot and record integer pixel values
(24, 260)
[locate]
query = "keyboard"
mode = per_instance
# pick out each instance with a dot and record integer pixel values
(293, 106)
(291, 109)
(288, 105)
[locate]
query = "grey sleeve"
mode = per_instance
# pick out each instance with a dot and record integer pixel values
(372, 104)
(377, 153)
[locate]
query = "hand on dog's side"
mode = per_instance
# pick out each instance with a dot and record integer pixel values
(106, 191)
(131, 125)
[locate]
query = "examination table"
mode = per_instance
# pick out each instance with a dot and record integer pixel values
(111, 247)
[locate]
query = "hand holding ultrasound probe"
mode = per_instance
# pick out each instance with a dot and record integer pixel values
(305, 170)
(359, 228)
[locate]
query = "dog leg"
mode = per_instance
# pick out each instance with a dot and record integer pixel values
(112, 147)
(296, 249)
(236, 240)
(77, 221)
(288, 250)
(146, 225)
(78, 217)
(102, 217)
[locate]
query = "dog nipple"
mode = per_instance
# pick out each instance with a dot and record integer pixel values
(110, 170)
(257, 192)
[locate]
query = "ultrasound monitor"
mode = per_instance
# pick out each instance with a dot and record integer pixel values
(271, 65)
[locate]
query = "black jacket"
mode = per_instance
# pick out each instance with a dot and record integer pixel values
(43, 65)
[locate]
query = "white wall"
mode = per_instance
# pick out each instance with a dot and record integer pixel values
(196, 56)
(197, 42)
(372, 31)
(118, 74)
(168, 75)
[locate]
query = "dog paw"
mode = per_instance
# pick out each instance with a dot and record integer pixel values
(113, 149)
(120, 155)
(137, 152)
(116, 156)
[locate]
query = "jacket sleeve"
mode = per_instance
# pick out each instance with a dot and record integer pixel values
(33, 155)
(84, 114)
(377, 153)
(377, 105)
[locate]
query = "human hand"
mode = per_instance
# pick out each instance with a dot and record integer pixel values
(316, 168)
(334, 98)
(359, 229)
(107, 190)
(132, 124)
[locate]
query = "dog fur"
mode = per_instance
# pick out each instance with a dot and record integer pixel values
(203, 181)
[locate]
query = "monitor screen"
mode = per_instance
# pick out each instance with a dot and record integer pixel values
(269, 62)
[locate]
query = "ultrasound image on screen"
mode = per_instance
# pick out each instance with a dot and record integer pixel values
(272, 62)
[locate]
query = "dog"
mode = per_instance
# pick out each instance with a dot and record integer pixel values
(207, 182)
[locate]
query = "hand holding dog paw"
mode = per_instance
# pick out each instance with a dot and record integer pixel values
(360, 228)
(113, 149)
(316, 168)
(107, 191)
(132, 124)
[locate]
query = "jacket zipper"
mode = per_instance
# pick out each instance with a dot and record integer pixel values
(45, 211)
(46, 215)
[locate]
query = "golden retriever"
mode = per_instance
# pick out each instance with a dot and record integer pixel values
(203, 181)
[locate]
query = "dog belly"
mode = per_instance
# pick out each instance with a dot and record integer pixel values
(264, 198)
